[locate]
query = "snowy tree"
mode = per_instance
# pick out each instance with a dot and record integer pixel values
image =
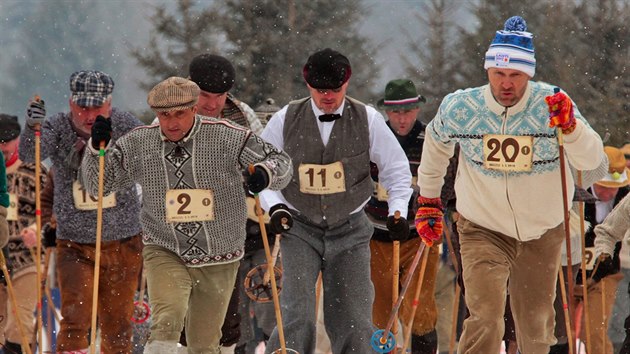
(271, 40)
(429, 60)
(178, 36)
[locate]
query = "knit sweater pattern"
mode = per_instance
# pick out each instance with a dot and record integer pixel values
(211, 157)
(58, 141)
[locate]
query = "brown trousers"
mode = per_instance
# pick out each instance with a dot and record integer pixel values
(381, 272)
(120, 264)
(600, 341)
(490, 260)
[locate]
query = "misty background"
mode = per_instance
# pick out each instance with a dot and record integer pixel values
(581, 46)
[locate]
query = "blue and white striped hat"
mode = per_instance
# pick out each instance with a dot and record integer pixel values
(512, 48)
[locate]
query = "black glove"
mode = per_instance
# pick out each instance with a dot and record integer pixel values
(398, 228)
(280, 219)
(50, 236)
(257, 181)
(605, 267)
(101, 131)
(35, 113)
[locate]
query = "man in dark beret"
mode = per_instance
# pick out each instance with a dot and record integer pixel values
(215, 76)
(331, 139)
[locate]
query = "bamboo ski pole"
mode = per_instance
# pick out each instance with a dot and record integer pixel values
(395, 278)
(274, 258)
(7, 277)
(416, 299)
(565, 307)
(274, 290)
(97, 251)
(38, 224)
(451, 252)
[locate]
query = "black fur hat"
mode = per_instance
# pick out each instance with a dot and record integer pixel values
(9, 128)
(327, 69)
(212, 73)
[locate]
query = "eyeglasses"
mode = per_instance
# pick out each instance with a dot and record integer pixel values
(325, 91)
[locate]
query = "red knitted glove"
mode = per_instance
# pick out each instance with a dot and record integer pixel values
(561, 112)
(429, 219)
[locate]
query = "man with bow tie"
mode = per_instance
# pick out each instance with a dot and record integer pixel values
(331, 139)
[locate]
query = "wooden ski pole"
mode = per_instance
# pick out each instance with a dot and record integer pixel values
(565, 204)
(38, 224)
(274, 290)
(395, 279)
(451, 252)
(585, 309)
(97, 250)
(274, 258)
(416, 298)
(3, 264)
(565, 305)
(318, 294)
(412, 269)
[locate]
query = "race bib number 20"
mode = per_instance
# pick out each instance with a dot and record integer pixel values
(507, 152)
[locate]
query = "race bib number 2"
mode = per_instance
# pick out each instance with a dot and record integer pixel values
(322, 179)
(507, 152)
(187, 205)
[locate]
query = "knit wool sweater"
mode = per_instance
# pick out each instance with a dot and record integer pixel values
(211, 157)
(522, 205)
(58, 141)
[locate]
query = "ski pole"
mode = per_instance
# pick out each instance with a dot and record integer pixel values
(274, 290)
(274, 258)
(7, 277)
(451, 252)
(395, 277)
(565, 308)
(585, 309)
(38, 223)
(382, 340)
(97, 251)
(416, 298)
(565, 204)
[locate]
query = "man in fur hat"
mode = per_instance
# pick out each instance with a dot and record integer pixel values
(332, 138)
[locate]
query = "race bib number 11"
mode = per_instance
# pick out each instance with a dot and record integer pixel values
(322, 179)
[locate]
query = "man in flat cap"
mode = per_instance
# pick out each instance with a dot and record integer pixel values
(63, 140)
(332, 138)
(193, 212)
(215, 76)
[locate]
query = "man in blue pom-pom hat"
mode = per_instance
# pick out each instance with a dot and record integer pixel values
(508, 190)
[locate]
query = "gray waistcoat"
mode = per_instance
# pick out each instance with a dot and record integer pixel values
(348, 143)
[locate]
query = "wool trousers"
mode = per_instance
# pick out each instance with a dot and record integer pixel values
(177, 293)
(342, 254)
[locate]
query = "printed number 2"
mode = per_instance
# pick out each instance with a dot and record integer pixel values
(495, 145)
(184, 200)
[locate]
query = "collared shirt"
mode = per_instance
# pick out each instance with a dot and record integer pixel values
(385, 152)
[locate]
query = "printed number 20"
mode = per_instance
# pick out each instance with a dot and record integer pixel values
(495, 145)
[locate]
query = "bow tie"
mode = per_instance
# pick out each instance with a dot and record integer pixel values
(329, 117)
